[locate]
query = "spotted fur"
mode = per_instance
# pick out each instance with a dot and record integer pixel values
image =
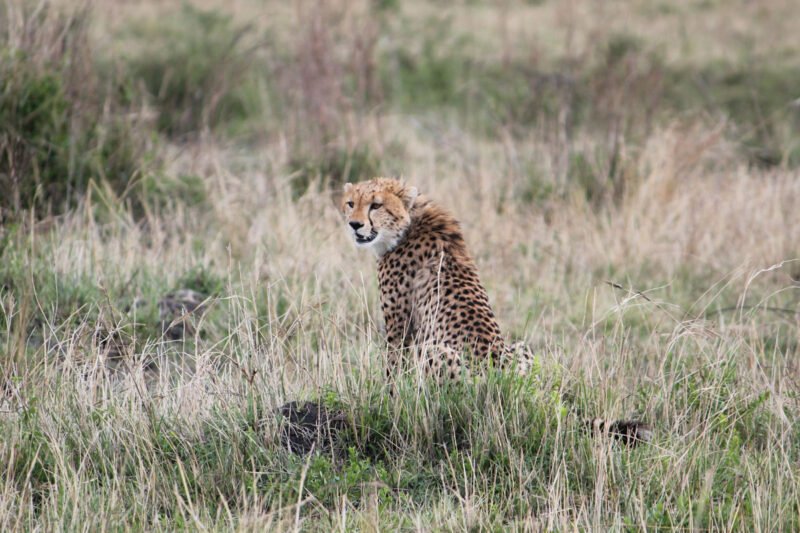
(433, 302)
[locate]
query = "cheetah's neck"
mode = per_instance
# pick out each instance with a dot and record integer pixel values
(431, 226)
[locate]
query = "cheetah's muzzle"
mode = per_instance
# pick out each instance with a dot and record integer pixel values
(365, 240)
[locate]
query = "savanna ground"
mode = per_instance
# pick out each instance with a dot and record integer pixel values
(173, 267)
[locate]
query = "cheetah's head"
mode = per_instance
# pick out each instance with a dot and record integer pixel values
(377, 212)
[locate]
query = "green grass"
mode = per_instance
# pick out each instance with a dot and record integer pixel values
(502, 451)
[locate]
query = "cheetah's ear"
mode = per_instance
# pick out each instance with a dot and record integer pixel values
(411, 193)
(347, 187)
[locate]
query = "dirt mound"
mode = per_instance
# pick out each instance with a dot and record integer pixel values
(310, 425)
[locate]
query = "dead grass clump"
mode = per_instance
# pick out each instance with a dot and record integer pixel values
(697, 202)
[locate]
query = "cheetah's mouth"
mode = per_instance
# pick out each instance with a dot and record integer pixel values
(365, 240)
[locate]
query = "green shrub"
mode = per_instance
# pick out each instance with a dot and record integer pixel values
(35, 136)
(55, 137)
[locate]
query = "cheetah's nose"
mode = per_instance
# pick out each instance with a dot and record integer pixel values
(355, 225)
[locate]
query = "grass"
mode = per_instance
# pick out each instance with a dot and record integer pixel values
(628, 191)
(200, 80)
(63, 131)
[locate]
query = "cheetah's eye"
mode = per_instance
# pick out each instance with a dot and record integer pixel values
(350, 205)
(376, 206)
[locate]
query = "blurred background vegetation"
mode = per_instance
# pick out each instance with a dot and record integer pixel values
(87, 98)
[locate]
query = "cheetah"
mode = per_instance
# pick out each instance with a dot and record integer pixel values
(430, 293)
(432, 300)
